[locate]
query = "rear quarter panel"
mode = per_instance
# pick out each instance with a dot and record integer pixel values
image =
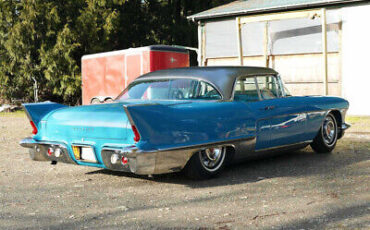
(188, 124)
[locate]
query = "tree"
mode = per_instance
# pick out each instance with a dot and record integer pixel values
(45, 40)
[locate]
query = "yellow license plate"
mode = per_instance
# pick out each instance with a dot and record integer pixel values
(77, 152)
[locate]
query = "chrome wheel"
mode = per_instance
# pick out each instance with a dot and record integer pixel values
(329, 131)
(212, 158)
(327, 137)
(95, 101)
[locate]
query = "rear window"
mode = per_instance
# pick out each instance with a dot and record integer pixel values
(170, 89)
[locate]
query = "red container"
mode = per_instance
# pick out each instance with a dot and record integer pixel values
(105, 75)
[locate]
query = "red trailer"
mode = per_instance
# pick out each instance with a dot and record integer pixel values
(105, 75)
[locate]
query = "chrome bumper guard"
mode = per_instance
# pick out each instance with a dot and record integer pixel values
(138, 161)
(345, 126)
(42, 149)
(148, 162)
(342, 130)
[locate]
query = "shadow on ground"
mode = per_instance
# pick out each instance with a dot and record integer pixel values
(288, 164)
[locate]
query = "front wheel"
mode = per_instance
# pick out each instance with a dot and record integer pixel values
(327, 137)
(206, 163)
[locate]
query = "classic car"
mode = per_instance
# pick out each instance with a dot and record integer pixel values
(194, 119)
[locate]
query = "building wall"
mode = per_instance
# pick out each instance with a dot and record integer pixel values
(356, 50)
(295, 52)
(302, 73)
(294, 48)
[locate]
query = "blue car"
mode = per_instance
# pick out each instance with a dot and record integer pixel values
(193, 119)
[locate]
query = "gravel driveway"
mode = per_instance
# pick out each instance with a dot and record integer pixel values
(298, 190)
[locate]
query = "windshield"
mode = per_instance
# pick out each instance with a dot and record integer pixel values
(285, 90)
(170, 89)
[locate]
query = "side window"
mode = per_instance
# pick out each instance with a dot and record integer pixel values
(207, 92)
(246, 90)
(269, 87)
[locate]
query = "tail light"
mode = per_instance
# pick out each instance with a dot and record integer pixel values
(34, 131)
(50, 151)
(124, 160)
(137, 135)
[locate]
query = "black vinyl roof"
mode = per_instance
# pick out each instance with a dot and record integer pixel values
(222, 77)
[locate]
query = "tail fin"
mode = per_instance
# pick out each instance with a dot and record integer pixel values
(36, 111)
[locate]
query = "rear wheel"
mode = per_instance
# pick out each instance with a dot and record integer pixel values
(108, 100)
(95, 101)
(327, 137)
(206, 163)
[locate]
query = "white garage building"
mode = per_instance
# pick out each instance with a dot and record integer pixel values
(320, 47)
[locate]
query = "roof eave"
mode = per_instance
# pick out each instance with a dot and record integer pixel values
(269, 10)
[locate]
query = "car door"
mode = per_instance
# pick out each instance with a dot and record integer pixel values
(282, 119)
(247, 92)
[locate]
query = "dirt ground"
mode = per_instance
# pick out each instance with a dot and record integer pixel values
(298, 190)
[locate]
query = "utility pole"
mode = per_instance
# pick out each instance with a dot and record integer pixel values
(35, 91)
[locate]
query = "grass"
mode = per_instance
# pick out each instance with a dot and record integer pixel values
(18, 113)
(356, 119)
(359, 123)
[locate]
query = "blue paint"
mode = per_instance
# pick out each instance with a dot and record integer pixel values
(176, 124)
(37, 111)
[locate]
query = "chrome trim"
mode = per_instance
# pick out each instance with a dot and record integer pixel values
(256, 83)
(345, 126)
(86, 146)
(128, 115)
(32, 143)
(284, 146)
(125, 107)
(258, 88)
(212, 160)
(166, 160)
(228, 143)
(329, 130)
(28, 142)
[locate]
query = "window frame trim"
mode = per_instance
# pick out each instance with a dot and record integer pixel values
(257, 87)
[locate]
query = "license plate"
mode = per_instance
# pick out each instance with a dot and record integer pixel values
(84, 154)
(87, 154)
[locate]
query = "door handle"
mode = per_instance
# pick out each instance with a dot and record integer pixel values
(268, 108)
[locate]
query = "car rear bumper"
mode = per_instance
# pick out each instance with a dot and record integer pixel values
(138, 162)
(41, 148)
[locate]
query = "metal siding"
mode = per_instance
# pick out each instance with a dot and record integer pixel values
(168, 60)
(114, 75)
(291, 36)
(221, 39)
(93, 75)
(304, 35)
(262, 6)
(356, 49)
(107, 74)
